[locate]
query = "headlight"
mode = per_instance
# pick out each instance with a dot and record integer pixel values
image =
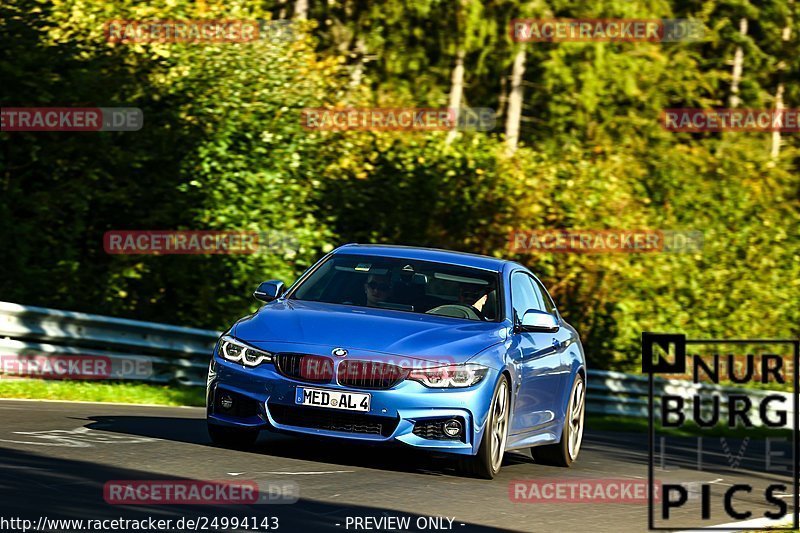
(449, 376)
(238, 352)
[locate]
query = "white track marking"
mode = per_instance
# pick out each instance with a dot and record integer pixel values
(759, 523)
(276, 473)
(81, 437)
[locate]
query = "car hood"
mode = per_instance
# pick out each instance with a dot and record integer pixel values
(401, 333)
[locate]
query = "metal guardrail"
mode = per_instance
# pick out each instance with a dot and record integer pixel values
(173, 354)
(180, 355)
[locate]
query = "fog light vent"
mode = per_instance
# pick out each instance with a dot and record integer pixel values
(230, 403)
(441, 429)
(226, 402)
(453, 428)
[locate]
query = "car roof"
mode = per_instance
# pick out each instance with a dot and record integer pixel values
(425, 254)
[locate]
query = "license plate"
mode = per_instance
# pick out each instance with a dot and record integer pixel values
(333, 399)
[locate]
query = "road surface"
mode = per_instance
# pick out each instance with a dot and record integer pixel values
(56, 457)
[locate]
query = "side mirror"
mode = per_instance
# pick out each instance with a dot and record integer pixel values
(538, 321)
(269, 290)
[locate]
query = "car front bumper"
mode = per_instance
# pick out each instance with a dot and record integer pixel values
(393, 413)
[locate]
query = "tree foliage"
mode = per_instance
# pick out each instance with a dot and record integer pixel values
(223, 148)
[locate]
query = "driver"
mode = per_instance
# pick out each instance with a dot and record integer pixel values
(473, 295)
(377, 289)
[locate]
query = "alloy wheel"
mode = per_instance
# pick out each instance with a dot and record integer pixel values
(499, 425)
(576, 411)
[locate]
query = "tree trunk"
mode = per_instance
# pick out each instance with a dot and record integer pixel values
(282, 10)
(456, 92)
(503, 98)
(776, 134)
(738, 64)
(359, 53)
(515, 102)
(301, 9)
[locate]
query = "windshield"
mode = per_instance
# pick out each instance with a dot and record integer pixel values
(404, 285)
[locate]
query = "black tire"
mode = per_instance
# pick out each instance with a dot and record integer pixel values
(482, 465)
(560, 454)
(232, 437)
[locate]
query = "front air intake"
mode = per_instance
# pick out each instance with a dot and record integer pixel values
(304, 367)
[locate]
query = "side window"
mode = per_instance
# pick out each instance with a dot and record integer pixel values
(522, 296)
(549, 306)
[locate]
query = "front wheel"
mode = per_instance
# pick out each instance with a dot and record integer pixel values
(565, 453)
(486, 464)
(228, 437)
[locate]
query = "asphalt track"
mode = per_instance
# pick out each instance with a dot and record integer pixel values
(55, 458)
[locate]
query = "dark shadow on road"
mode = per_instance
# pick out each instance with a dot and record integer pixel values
(631, 448)
(680, 452)
(330, 451)
(34, 485)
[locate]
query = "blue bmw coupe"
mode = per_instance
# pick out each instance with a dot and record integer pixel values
(446, 351)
